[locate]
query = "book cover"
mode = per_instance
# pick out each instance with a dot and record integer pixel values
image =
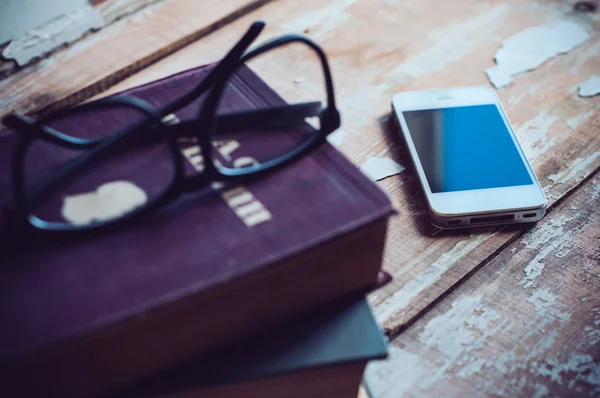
(80, 318)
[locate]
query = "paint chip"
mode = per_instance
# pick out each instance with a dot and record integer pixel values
(379, 168)
(109, 201)
(541, 300)
(64, 29)
(590, 87)
(532, 271)
(530, 48)
(20, 16)
(337, 138)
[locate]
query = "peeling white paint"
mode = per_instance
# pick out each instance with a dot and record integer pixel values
(579, 165)
(461, 330)
(546, 232)
(590, 87)
(447, 332)
(540, 328)
(591, 336)
(545, 239)
(540, 391)
(65, 28)
(471, 369)
(562, 253)
(541, 300)
(337, 138)
(530, 48)
(396, 375)
(457, 342)
(533, 135)
(447, 45)
(582, 57)
(595, 192)
(380, 168)
(574, 122)
(532, 271)
(530, 90)
(516, 99)
(424, 279)
(113, 10)
(583, 365)
(20, 16)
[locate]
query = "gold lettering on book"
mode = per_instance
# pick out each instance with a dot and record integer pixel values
(246, 206)
(243, 203)
(193, 155)
(225, 148)
(245, 161)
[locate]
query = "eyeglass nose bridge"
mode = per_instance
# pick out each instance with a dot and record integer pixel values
(196, 181)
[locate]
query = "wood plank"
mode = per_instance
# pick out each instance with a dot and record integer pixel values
(378, 48)
(527, 324)
(109, 10)
(125, 47)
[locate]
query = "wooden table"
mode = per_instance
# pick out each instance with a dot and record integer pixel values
(492, 311)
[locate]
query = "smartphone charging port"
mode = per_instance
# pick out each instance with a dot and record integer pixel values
(529, 215)
(507, 217)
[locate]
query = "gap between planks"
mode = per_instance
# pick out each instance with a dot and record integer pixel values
(494, 331)
(395, 332)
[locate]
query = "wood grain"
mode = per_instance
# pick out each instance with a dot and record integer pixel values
(527, 324)
(378, 48)
(125, 47)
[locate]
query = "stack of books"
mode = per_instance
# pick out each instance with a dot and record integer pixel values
(248, 291)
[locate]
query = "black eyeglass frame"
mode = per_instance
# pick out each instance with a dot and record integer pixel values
(153, 128)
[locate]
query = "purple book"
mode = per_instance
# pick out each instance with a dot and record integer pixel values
(81, 318)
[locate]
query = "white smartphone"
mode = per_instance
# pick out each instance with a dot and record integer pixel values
(470, 165)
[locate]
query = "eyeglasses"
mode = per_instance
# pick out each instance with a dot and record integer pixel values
(128, 157)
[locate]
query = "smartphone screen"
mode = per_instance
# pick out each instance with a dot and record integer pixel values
(465, 148)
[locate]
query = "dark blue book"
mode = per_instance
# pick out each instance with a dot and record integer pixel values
(322, 354)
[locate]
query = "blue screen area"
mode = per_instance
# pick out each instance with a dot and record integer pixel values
(464, 148)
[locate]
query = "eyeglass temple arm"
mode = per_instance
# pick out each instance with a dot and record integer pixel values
(279, 116)
(272, 117)
(40, 130)
(280, 41)
(220, 69)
